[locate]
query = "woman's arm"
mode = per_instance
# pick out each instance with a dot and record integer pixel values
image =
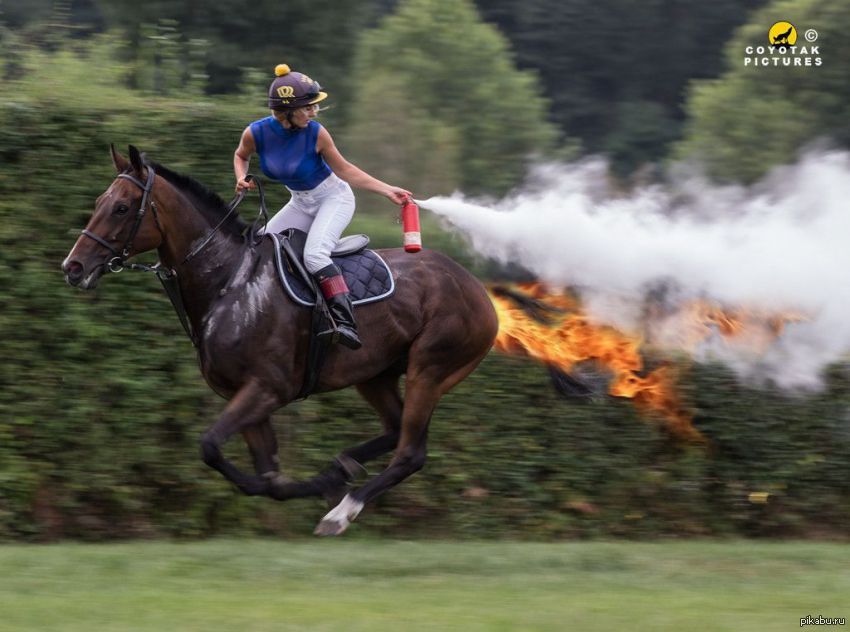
(242, 158)
(352, 174)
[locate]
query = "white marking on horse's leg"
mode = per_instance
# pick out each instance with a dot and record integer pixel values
(337, 519)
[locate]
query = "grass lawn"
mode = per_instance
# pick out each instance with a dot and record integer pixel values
(350, 584)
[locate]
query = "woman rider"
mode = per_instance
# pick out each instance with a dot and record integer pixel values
(298, 152)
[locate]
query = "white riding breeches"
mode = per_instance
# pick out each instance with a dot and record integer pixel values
(322, 213)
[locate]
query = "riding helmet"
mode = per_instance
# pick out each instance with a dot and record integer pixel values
(292, 90)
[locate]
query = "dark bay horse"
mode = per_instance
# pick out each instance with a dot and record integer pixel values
(252, 340)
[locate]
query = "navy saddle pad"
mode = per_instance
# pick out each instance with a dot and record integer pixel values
(366, 274)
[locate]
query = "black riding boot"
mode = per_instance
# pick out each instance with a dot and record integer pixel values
(335, 291)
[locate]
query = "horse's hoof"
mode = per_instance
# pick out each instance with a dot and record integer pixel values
(327, 527)
(338, 519)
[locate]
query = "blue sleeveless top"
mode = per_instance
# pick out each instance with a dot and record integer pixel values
(289, 156)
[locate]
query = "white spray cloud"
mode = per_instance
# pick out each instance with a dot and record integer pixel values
(781, 244)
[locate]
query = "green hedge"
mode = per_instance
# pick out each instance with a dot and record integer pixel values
(101, 401)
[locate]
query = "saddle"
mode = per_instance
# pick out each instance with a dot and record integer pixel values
(366, 274)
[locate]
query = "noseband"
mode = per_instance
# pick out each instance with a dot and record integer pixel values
(116, 263)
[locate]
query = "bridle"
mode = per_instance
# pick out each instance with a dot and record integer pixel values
(167, 276)
(116, 263)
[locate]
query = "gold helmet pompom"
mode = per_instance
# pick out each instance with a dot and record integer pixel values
(281, 69)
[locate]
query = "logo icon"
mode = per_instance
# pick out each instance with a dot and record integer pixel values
(782, 34)
(782, 49)
(286, 92)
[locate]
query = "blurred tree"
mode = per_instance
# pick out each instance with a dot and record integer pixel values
(439, 104)
(756, 117)
(198, 78)
(314, 37)
(17, 13)
(37, 18)
(616, 70)
(161, 64)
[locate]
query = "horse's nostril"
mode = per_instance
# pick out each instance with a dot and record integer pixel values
(74, 269)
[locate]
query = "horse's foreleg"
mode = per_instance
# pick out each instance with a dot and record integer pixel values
(421, 397)
(262, 443)
(251, 406)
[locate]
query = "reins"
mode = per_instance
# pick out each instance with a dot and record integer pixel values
(231, 207)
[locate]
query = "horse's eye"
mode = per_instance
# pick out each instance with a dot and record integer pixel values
(121, 209)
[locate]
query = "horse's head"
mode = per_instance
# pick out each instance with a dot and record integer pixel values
(124, 224)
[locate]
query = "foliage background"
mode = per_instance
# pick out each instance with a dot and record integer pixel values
(101, 402)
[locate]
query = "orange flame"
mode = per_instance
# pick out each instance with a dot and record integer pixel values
(553, 328)
(695, 321)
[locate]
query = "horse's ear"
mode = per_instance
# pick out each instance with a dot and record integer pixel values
(136, 160)
(120, 162)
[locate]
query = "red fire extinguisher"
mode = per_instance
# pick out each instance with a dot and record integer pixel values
(410, 225)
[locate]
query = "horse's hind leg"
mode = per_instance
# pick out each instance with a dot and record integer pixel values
(420, 399)
(383, 395)
(435, 368)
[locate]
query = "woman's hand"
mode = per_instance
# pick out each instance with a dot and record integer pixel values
(243, 184)
(397, 194)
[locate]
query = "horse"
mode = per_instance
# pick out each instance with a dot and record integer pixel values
(252, 341)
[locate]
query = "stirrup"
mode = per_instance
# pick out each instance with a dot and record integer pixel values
(330, 335)
(349, 342)
(336, 335)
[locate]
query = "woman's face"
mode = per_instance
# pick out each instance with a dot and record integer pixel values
(301, 117)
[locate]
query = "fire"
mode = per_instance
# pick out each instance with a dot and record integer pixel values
(553, 328)
(692, 323)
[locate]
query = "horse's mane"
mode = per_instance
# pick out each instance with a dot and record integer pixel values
(208, 202)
